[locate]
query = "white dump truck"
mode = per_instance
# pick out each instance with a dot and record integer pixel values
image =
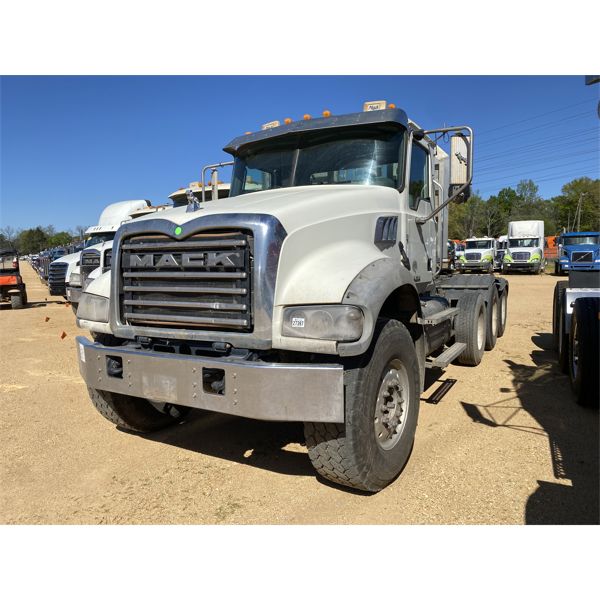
(73, 269)
(525, 247)
(314, 293)
(479, 255)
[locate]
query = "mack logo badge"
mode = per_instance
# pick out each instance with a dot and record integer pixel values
(188, 259)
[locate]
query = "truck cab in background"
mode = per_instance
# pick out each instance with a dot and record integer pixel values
(479, 255)
(525, 249)
(67, 274)
(578, 250)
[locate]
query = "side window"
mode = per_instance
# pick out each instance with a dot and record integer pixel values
(418, 186)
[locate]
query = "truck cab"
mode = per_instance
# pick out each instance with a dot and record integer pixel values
(579, 251)
(479, 256)
(315, 292)
(525, 248)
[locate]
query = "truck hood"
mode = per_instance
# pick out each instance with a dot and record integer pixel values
(68, 258)
(296, 207)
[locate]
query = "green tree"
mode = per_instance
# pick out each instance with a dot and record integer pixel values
(32, 240)
(584, 193)
(62, 238)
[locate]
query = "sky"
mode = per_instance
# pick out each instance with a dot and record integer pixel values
(71, 145)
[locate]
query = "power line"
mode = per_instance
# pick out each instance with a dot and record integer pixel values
(553, 143)
(510, 124)
(532, 172)
(574, 175)
(542, 160)
(536, 128)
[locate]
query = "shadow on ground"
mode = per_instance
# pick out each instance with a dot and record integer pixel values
(572, 431)
(260, 444)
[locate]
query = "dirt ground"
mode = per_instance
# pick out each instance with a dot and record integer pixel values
(507, 444)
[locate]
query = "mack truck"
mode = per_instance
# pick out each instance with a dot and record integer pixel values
(579, 250)
(65, 274)
(314, 293)
(525, 247)
(479, 256)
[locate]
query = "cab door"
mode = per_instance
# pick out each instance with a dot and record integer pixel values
(421, 240)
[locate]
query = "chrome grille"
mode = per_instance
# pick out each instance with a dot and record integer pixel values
(200, 282)
(89, 261)
(582, 257)
(57, 273)
(520, 255)
(473, 255)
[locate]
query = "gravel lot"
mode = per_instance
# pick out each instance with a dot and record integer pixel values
(507, 444)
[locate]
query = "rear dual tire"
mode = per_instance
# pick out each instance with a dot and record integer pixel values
(583, 351)
(470, 327)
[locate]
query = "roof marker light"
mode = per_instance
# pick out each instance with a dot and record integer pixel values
(326, 113)
(247, 133)
(307, 117)
(287, 120)
(391, 105)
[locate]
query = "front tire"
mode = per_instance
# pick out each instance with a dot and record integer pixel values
(382, 390)
(135, 414)
(583, 351)
(16, 301)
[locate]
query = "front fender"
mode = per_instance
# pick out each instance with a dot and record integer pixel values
(369, 290)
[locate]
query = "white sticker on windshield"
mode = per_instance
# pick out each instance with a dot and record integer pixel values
(297, 321)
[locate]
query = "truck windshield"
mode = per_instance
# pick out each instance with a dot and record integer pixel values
(523, 242)
(98, 238)
(502, 245)
(368, 159)
(576, 240)
(478, 244)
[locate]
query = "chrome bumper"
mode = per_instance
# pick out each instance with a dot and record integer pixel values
(267, 391)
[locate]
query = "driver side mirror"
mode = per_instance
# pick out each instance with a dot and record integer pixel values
(460, 153)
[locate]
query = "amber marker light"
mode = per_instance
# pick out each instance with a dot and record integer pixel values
(391, 105)
(326, 113)
(287, 121)
(307, 117)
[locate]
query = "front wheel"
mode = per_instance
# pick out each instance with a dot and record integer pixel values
(135, 414)
(382, 390)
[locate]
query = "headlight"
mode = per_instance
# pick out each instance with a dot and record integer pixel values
(93, 308)
(75, 279)
(536, 259)
(325, 322)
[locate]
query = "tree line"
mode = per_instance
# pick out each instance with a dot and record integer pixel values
(36, 239)
(576, 208)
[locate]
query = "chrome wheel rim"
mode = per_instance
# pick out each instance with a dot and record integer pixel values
(391, 409)
(480, 330)
(575, 350)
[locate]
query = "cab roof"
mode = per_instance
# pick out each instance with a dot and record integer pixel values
(385, 119)
(578, 233)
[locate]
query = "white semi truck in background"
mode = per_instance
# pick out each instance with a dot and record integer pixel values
(180, 197)
(479, 255)
(525, 247)
(64, 274)
(314, 293)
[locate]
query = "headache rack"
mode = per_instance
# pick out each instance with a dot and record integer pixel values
(201, 282)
